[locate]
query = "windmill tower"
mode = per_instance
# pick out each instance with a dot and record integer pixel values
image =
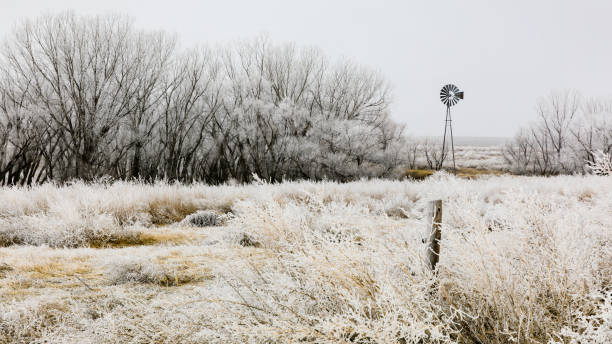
(449, 96)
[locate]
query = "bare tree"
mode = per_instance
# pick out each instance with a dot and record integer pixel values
(557, 113)
(519, 153)
(21, 156)
(191, 101)
(432, 152)
(75, 66)
(151, 56)
(412, 148)
(593, 131)
(567, 133)
(82, 97)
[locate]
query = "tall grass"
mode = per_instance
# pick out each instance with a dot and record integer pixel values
(523, 260)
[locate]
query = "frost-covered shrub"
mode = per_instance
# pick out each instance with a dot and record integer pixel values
(136, 272)
(248, 241)
(145, 270)
(593, 327)
(602, 164)
(203, 218)
(96, 231)
(32, 322)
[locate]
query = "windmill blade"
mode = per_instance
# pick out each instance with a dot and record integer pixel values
(450, 95)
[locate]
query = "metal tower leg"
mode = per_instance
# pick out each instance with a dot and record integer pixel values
(450, 123)
(444, 139)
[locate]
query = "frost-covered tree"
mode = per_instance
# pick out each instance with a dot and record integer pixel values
(568, 130)
(78, 78)
(88, 96)
(593, 130)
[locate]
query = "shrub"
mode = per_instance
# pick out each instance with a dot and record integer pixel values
(202, 218)
(602, 164)
(147, 272)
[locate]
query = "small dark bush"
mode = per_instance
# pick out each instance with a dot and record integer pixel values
(203, 218)
(248, 241)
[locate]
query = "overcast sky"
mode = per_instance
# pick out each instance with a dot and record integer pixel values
(503, 54)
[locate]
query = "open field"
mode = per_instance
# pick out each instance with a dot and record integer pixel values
(480, 157)
(483, 153)
(524, 259)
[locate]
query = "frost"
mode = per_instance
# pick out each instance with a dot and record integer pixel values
(523, 259)
(203, 218)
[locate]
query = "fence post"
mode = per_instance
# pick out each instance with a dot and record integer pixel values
(433, 245)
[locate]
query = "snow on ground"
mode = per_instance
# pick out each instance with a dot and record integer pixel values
(524, 259)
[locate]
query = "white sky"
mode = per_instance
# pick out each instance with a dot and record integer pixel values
(503, 54)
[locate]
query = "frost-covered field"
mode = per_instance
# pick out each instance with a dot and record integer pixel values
(524, 260)
(480, 157)
(484, 153)
(480, 152)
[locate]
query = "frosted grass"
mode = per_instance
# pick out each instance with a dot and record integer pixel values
(524, 259)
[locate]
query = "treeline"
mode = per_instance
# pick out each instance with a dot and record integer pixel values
(570, 134)
(87, 97)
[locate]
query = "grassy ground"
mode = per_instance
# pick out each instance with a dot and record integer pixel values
(523, 260)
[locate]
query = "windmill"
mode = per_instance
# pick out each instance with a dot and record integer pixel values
(449, 96)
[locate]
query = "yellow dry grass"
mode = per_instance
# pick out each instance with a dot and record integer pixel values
(183, 271)
(149, 237)
(169, 210)
(468, 173)
(418, 174)
(168, 237)
(42, 267)
(471, 173)
(33, 275)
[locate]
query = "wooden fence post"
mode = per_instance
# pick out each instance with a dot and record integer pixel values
(433, 245)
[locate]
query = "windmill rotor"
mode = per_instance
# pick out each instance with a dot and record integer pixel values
(450, 95)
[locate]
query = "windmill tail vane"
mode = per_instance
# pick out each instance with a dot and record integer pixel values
(449, 96)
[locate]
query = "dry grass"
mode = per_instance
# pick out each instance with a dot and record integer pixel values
(462, 172)
(523, 260)
(472, 173)
(418, 174)
(169, 210)
(153, 236)
(170, 274)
